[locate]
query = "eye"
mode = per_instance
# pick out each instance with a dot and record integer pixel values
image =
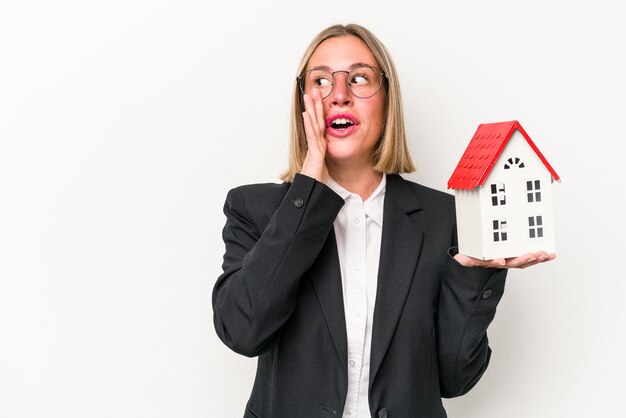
(321, 82)
(359, 79)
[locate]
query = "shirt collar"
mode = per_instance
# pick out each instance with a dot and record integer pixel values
(338, 188)
(373, 204)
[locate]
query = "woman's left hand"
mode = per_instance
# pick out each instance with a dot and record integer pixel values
(520, 262)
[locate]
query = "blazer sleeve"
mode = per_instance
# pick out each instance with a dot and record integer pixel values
(467, 305)
(256, 293)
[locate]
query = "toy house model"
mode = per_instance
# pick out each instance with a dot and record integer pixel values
(503, 194)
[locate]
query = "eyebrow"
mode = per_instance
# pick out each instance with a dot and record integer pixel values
(352, 67)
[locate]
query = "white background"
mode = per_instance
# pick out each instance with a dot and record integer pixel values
(124, 123)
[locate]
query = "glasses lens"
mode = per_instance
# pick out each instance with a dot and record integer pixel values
(319, 80)
(364, 81)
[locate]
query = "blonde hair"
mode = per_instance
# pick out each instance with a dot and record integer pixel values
(391, 154)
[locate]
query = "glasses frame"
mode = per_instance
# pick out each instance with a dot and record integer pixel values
(301, 79)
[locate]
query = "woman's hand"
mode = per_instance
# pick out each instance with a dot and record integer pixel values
(520, 262)
(314, 126)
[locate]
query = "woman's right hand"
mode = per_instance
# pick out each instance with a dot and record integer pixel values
(315, 127)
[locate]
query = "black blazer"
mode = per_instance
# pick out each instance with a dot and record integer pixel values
(280, 298)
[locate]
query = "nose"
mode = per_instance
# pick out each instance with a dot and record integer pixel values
(341, 93)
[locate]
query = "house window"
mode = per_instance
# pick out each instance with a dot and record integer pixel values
(497, 194)
(535, 227)
(512, 162)
(499, 230)
(533, 191)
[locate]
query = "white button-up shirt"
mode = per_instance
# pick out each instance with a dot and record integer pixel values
(358, 229)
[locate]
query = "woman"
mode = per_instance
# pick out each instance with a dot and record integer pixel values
(345, 280)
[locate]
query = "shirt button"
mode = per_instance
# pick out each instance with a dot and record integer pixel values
(487, 293)
(298, 202)
(348, 413)
(352, 363)
(356, 220)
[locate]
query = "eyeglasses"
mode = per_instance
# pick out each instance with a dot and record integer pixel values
(363, 82)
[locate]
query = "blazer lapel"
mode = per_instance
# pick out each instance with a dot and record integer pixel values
(326, 278)
(400, 248)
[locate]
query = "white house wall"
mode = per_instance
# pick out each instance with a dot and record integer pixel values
(517, 208)
(469, 222)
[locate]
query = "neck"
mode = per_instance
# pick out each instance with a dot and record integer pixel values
(359, 180)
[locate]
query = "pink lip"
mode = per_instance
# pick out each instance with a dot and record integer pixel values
(341, 133)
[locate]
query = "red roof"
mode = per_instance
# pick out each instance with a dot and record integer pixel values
(483, 152)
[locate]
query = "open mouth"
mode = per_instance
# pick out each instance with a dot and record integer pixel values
(341, 123)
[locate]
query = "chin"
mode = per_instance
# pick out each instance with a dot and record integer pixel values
(341, 151)
(345, 154)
